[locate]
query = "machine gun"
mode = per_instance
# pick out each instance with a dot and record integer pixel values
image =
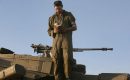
(46, 49)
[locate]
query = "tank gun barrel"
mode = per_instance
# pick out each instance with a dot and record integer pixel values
(91, 49)
(43, 49)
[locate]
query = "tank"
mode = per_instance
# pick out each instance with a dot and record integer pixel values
(27, 67)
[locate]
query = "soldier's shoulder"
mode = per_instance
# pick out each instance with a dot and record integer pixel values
(52, 16)
(68, 13)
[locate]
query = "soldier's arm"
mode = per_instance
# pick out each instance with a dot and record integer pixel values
(72, 22)
(50, 28)
(73, 27)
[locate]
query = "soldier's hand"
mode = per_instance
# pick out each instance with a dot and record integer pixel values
(53, 34)
(56, 30)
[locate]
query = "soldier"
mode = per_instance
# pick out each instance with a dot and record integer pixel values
(61, 26)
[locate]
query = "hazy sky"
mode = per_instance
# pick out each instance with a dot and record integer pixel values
(101, 23)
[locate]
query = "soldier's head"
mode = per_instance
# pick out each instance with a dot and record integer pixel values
(58, 6)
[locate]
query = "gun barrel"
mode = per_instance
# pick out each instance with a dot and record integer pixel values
(91, 49)
(42, 48)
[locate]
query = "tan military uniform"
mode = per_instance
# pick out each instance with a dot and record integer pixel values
(62, 45)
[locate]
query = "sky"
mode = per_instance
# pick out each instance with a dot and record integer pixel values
(100, 23)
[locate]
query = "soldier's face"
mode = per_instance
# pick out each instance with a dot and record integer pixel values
(58, 9)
